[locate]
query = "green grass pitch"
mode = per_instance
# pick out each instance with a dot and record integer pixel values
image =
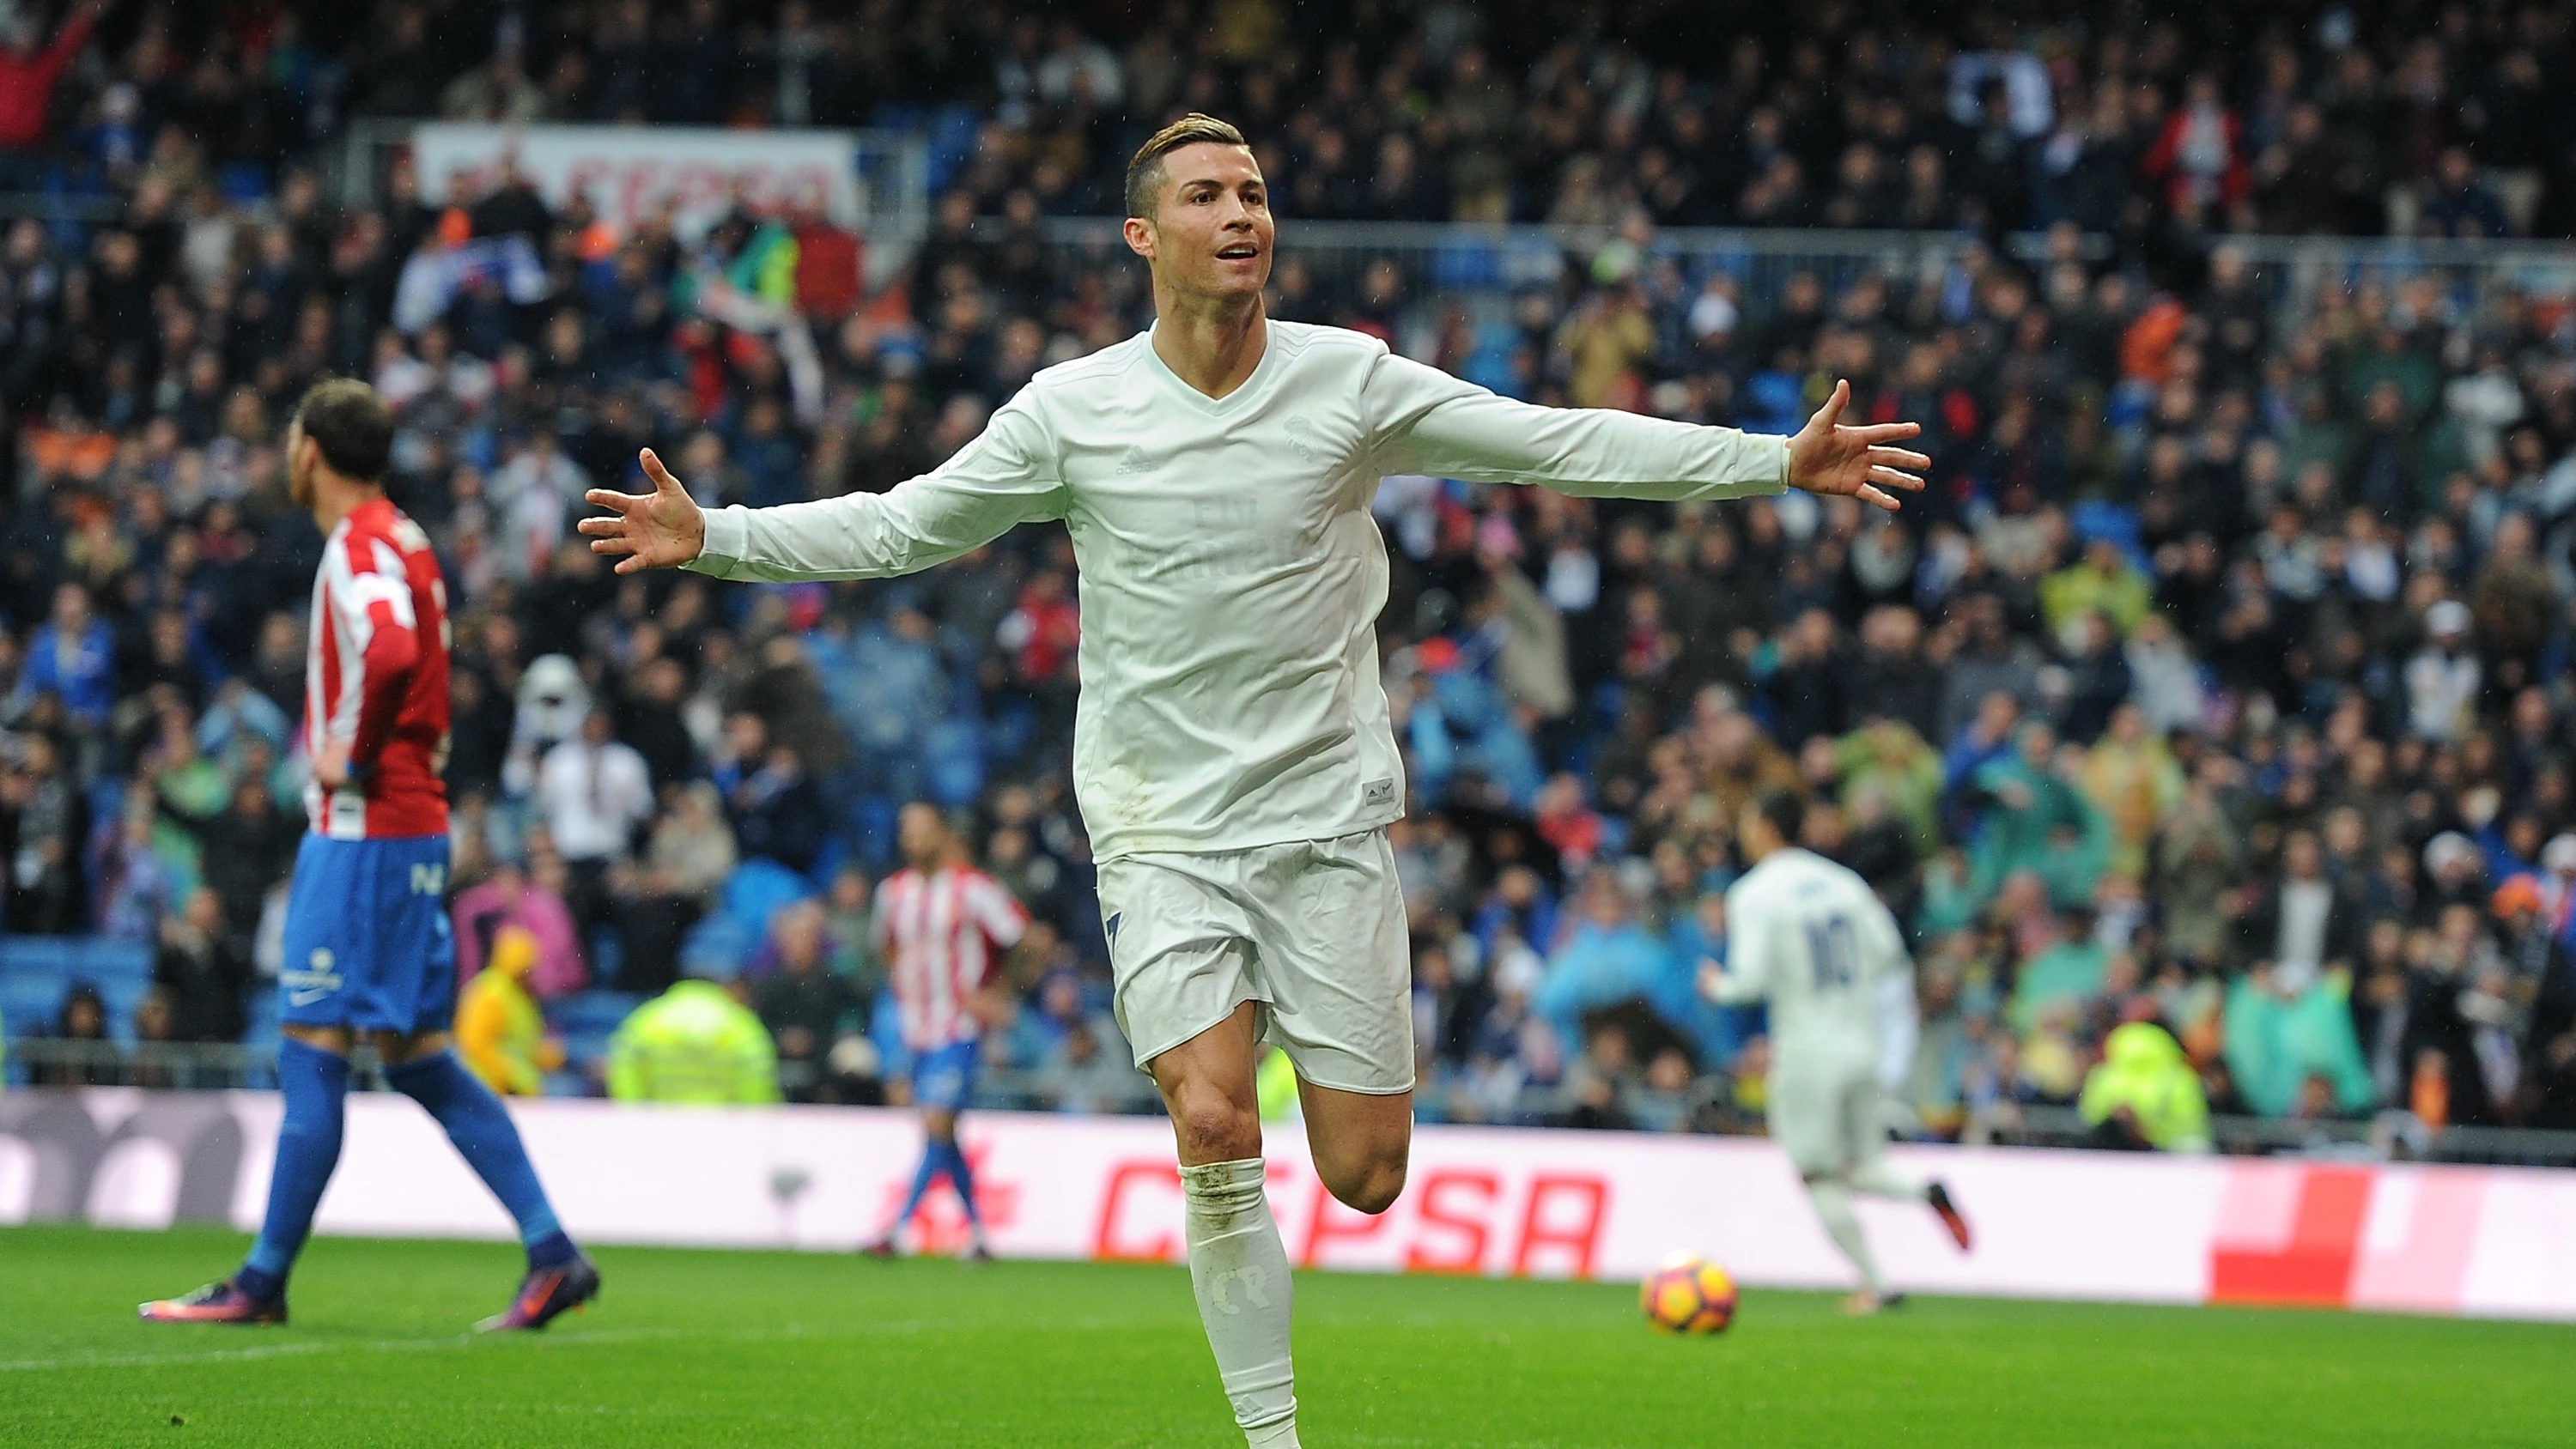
(780, 1349)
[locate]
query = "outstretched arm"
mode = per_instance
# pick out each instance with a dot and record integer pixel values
(1004, 478)
(1429, 422)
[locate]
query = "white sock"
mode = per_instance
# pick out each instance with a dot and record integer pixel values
(1878, 1177)
(1239, 1271)
(1833, 1202)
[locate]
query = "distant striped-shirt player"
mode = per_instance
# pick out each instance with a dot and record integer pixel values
(367, 947)
(941, 927)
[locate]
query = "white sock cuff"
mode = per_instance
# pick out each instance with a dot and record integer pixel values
(1279, 1433)
(1225, 1187)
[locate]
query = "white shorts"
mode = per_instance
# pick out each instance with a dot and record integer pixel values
(1828, 1118)
(1313, 930)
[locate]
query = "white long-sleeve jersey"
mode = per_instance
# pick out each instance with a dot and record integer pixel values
(1231, 573)
(1814, 940)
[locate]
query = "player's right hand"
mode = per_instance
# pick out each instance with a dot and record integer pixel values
(331, 767)
(653, 530)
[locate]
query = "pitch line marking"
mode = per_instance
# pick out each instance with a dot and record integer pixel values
(607, 1336)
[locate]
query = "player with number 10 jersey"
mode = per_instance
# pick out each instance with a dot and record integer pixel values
(1808, 936)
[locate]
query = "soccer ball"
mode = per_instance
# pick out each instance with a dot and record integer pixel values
(1688, 1294)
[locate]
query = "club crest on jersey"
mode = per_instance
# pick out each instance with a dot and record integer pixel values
(1301, 440)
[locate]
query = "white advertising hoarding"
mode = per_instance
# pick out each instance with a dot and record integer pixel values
(2103, 1226)
(630, 173)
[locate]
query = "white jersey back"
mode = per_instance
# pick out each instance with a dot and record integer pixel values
(1813, 939)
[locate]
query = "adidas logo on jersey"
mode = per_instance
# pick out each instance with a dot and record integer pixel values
(1132, 462)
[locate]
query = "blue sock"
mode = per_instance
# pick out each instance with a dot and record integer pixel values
(962, 1178)
(489, 1141)
(313, 1082)
(922, 1178)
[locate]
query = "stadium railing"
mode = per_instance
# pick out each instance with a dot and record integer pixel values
(2390, 1134)
(181, 1066)
(1469, 263)
(167, 1065)
(59, 207)
(1465, 262)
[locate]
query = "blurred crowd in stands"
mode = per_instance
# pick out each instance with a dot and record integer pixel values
(2217, 685)
(2356, 116)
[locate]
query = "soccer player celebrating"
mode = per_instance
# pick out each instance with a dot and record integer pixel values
(939, 924)
(368, 948)
(1811, 938)
(1232, 753)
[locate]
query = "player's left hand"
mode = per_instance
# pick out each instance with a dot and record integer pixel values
(331, 767)
(654, 530)
(1827, 457)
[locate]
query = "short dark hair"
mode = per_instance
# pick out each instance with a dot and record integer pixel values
(1786, 810)
(1145, 169)
(351, 425)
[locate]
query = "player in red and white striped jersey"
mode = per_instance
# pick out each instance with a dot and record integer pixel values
(942, 926)
(375, 681)
(367, 946)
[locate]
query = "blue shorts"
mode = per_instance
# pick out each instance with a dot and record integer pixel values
(368, 945)
(943, 1079)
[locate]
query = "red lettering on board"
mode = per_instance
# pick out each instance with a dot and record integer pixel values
(2314, 1268)
(1105, 1242)
(1441, 1215)
(1328, 1219)
(1545, 1226)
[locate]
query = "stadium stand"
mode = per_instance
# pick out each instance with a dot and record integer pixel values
(2220, 680)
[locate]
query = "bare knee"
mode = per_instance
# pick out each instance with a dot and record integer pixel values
(332, 1039)
(394, 1049)
(1368, 1184)
(1214, 1127)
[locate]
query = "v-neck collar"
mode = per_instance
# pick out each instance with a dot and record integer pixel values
(1261, 372)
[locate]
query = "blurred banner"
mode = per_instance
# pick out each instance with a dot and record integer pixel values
(630, 173)
(2497, 1242)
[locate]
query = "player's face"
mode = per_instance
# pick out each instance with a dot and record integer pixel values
(1753, 830)
(1212, 233)
(299, 466)
(920, 835)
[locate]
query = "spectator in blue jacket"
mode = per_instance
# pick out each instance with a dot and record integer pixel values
(1610, 956)
(72, 657)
